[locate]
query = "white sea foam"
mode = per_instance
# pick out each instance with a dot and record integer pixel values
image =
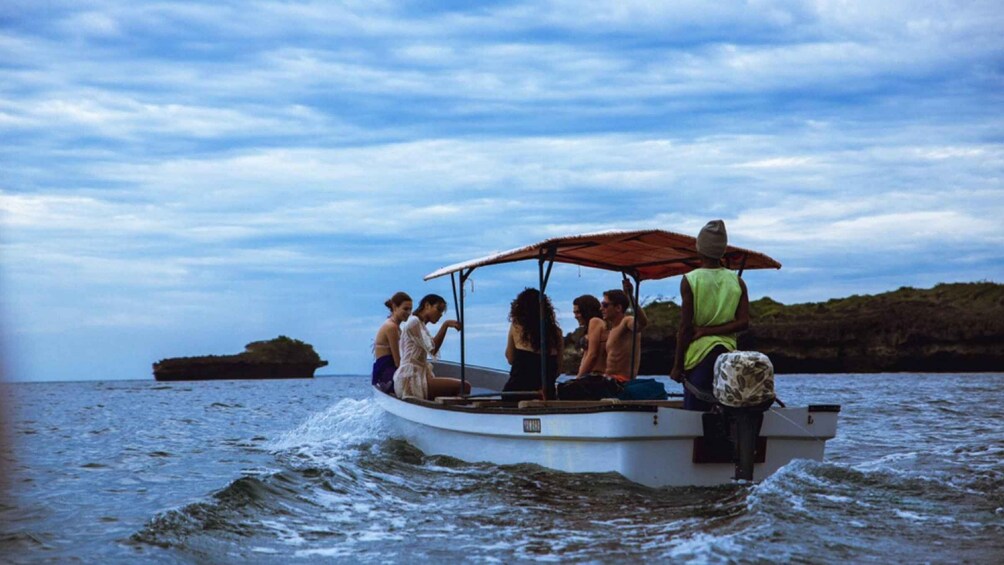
(346, 423)
(336, 551)
(884, 461)
(703, 547)
(912, 516)
(283, 532)
(780, 484)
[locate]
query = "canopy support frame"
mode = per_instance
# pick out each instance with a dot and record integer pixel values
(459, 306)
(546, 256)
(634, 323)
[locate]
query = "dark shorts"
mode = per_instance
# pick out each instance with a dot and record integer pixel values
(383, 374)
(703, 377)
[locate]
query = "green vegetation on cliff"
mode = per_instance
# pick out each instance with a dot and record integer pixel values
(952, 327)
(281, 357)
(279, 350)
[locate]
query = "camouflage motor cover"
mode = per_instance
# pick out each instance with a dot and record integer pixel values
(743, 378)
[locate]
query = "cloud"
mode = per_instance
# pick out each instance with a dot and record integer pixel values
(274, 165)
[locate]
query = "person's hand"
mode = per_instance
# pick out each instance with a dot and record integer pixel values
(453, 324)
(676, 374)
(628, 288)
(699, 332)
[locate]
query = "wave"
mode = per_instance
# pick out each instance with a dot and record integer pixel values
(335, 469)
(881, 509)
(347, 424)
(344, 487)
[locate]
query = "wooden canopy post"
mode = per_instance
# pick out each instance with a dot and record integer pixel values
(546, 256)
(459, 306)
(634, 326)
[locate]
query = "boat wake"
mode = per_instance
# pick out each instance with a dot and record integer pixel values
(875, 509)
(341, 486)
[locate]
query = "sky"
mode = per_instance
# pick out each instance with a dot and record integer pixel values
(183, 178)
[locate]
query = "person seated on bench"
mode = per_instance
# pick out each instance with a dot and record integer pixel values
(523, 346)
(386, 345)
(593, 344)
(414, 377)
(621, 327)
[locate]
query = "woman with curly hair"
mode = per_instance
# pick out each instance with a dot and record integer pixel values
(593, 343)
(523, 344)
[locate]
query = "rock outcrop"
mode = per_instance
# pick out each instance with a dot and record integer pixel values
(949, 328)
(279, 358)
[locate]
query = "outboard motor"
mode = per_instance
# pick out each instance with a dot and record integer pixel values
(744, 386)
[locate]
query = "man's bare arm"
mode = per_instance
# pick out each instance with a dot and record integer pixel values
(685, 334)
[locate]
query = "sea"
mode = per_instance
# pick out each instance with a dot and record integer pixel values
(309, 471)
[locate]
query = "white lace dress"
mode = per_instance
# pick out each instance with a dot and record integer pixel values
(415, 368)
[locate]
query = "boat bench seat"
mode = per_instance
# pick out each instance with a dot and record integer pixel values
(452, 400)
(568, 403)
(463, 402)
(494, 404)
(659, 403)
(601, 402)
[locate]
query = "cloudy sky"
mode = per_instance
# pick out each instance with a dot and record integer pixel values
(181, 178)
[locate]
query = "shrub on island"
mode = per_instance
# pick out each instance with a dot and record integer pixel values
(279, 358)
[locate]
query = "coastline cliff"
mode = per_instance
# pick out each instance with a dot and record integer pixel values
(955, 327)
(279, 358)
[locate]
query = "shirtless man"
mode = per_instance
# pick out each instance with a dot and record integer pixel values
(621, 326)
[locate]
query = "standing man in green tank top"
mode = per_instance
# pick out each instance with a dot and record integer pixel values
(715, 307)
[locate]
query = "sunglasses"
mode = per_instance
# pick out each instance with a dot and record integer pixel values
(604, 304)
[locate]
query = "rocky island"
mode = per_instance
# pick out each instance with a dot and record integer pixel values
(279, 358)
(955, 327)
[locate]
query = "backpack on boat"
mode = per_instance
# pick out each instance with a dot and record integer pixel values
(744, 378)
(589, 387)
(643, 389)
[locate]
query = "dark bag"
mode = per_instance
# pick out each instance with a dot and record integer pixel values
(589, 387)
(643, 389)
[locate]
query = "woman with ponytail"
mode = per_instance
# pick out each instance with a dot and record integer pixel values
(386, 345)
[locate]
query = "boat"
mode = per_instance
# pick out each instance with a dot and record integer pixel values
(651, 442)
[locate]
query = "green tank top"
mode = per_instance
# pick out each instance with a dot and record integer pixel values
(716, 296)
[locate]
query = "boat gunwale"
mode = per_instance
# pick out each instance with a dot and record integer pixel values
(623, 406)
(599, 406)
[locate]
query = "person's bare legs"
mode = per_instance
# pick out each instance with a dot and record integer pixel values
(442, 386)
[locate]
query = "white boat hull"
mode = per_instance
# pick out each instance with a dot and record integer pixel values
(650, 445)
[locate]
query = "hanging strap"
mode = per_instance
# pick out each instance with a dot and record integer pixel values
(700, 394)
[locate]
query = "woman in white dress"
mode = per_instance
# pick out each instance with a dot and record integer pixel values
(414, 376)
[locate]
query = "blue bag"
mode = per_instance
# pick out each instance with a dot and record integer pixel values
(643, 389)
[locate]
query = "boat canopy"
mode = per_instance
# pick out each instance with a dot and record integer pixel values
(639, 254)
(642, 254)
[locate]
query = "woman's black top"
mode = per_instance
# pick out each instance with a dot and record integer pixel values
(525, 375)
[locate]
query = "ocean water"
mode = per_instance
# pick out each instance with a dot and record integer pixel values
(308, 471)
